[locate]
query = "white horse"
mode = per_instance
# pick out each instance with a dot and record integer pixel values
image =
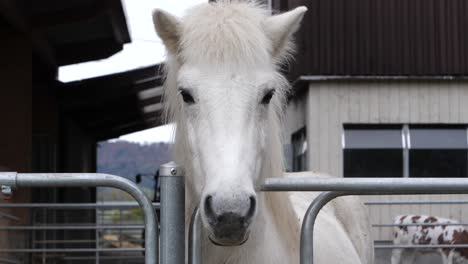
(225, 93)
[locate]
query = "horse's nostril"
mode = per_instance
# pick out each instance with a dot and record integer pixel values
(220, 218)
(209, 208)
(252, 208)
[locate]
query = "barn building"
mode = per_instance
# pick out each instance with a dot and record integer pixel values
(50, 126)
(381, 90)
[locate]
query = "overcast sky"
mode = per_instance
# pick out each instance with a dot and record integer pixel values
(144, 50)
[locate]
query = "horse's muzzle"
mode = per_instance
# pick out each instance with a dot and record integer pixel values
(229, 227)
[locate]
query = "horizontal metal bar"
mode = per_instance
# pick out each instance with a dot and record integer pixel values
(50, 227)
(420, 246)
(414, 224)
(120, 257)
(9, 179)
(69, 250)
(379, 77)
(369, 186)
(74, 206)
(84, 241)
(417, 203)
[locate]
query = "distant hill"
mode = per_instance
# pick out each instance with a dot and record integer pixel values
(127, 159)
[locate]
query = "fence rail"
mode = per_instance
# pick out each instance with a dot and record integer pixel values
(78, 206)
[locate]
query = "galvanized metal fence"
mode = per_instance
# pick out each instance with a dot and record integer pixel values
(114, 227)
(173, 199)
(333, 188)
(27, 180)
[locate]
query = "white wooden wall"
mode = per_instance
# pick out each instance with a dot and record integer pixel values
(329, 105)
(295, 117)
(332, 104)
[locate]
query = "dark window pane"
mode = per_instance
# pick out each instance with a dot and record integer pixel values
(438, 163)
(299, 145)
(373, 163)
(373, 139)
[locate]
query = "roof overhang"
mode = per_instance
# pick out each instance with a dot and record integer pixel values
(118, 104)
(75, 31)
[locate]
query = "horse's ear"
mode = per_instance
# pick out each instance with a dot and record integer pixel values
(168, 29)
(280, 29)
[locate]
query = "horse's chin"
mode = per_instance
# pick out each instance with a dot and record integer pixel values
(229, 242)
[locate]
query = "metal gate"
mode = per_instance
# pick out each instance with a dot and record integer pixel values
(12, 180)
(333, 188)
(173, 203)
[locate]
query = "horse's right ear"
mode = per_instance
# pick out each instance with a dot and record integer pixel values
(280, 29)
(168, 29)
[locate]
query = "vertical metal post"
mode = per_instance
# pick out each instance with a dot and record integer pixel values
(406, 150)
(172, 214)
(96, 212)
(307, 230)
(120, 231)
(195, 238)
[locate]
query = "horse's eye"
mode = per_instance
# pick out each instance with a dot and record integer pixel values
(267, 97)
(186, 96)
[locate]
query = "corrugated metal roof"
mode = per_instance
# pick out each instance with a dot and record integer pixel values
(382, 37)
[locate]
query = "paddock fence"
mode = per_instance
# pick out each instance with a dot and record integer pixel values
(10, 181)
(116, 235)
(332, 188)
(172, 207)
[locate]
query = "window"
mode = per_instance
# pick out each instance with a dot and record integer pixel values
(373, 151)
(299, 150)
(438, 152)
(405, 151)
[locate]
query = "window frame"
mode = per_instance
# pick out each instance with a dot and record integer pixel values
(406, 134)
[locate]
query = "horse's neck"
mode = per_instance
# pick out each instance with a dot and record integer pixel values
(278, 205)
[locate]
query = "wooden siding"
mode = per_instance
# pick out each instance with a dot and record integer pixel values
(331, 104)
(382, 37)
(295, 117)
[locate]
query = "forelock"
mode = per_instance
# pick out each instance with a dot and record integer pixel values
(225, 33)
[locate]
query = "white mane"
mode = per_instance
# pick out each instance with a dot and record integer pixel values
(227, 34)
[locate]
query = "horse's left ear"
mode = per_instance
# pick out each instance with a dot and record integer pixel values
(280, 29)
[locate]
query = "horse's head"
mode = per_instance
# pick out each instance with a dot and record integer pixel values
(226, 95)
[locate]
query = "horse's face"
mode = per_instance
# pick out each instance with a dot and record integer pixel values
(226, 101)
(227, 120)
